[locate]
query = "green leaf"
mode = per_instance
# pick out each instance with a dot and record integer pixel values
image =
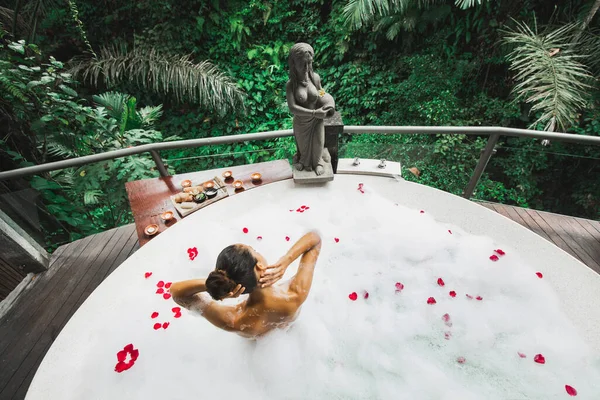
(68, 90)
(18, 47)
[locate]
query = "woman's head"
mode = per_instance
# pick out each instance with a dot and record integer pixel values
(300, 62)
(236, 264)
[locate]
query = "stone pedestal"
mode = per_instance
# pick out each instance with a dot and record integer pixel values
(311, 177)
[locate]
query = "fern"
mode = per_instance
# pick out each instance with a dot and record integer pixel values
(8, 87)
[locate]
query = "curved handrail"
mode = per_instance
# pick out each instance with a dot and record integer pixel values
(154, 148)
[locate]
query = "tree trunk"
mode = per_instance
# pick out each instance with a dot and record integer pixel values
(588, 19)
(15, 16)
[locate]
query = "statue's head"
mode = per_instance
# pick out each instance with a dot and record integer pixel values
(300, 62)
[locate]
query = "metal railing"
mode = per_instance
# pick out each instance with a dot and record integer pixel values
(493, 133)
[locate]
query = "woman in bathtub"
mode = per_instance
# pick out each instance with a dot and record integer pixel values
(242, 270)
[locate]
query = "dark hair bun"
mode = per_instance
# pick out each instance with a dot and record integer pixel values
(218, 284)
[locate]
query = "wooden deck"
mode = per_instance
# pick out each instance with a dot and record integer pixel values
(38, 315)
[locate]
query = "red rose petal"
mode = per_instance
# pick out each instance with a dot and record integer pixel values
(469, 296)
(160, 291)
(298, 210)
(128, 348)
(177, 315)
(360, 188)
(353, 296)
(291, 210)
(479, 298)
(461, 360)
(570, 390)
(165, 325)
(449, 231)
(306, 208)
(494, 257)
(431, 300)
(192, 253)
(446, 319)
(168, 285)
(157, 326)
(121, 355)
(538, 358)
(422, 212)
(336, 240)
(160, 284)
(499, 251)
(447, 335)
(154, 315)
(245, 230)
(166, 296)
(303, 207)
(176, 309)
(120, 367)
(135, 354)
(539, 275)
(452, 293)
(259, 238)
(366, 295)
(440, 282)
(521, 354)
(399, 287)
(287, 238)
(147, 275)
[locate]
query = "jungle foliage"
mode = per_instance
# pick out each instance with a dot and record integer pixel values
(82, 77)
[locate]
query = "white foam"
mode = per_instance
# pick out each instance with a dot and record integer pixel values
(388, 346)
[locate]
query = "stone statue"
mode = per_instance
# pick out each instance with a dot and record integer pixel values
(310, 105)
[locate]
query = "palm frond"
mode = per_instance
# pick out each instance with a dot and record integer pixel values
(549, 73)
(148, 115)
(464, 4)
(200, 83)
(92, 196)
(113, 103)
(362, 12)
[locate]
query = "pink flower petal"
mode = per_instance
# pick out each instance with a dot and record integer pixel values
(365, 295)
(539, 275)
(303, 207)
(307, 208)
(447, 335)
(165, 325)
(469, 296)
(431, 300)
(522, 355)
(452, 293)
(154, 315)
(353, 296)
(446, 319)
(121, 355)
(570, 390)
(494, 257)
(461, 360)
(147, 275)
(135, 354)
(449, 231)
(259, 238)
(166, 296)
(538, 358)
(160, 291)
(245, 230)
(287, 238)
(192, 253)
(479, 298)
(176, 309)
(399, 287)
(440, 282)
(157, 325)
(168, 285)
(499, 251)
(337, 240)
(177, 315)
(128, 348)
(422, 212)
(160, 284)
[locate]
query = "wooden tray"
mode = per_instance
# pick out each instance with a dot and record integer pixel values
(221, 193)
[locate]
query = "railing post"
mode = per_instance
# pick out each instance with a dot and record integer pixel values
(160, 166)
(334, 126)
(486, 154)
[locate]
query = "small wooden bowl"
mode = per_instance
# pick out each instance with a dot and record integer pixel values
(166, 216)
(238, 184)
(208, 185)
(186, 183)
(227, 174)
(256, 177)
(151, 230)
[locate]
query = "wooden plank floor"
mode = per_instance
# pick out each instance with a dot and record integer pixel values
(30, 327)
(577, 236)
(41, 311)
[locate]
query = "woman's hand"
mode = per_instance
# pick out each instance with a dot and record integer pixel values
(239, 289)
(320, 113)
(273, 273)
